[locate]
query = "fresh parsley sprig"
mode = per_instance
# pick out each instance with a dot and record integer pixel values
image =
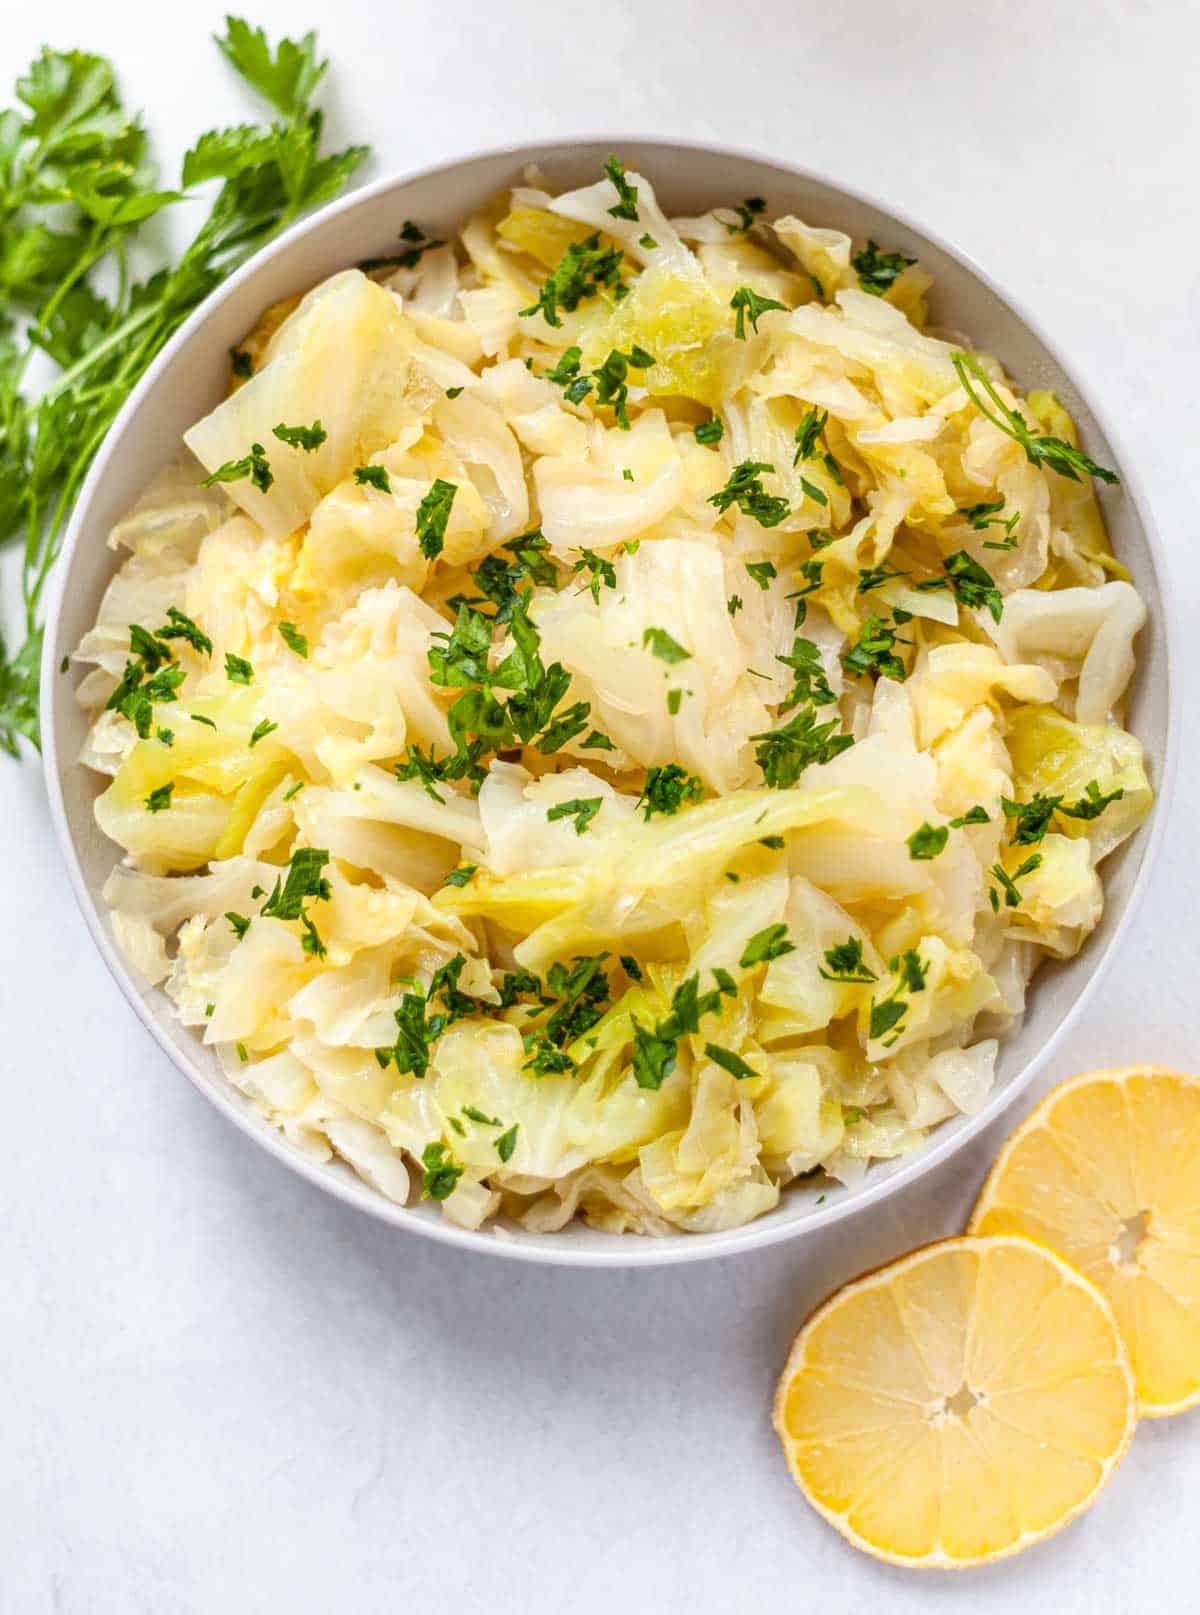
(1041, 448)
(78, 185)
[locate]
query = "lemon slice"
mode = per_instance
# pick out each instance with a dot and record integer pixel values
(1107, 1171)
(959, 1405)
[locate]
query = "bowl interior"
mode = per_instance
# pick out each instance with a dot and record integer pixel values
(190, 376)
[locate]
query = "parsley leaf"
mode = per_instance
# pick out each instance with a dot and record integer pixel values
(660, 642)
(261, 731)
(160, 797)
(440, 1172)
(971, 583)
(415, 248)
(303, 880)
(373, 476)
(600, 569)
(239, 922)
(731, 1062)
(766, 945)
(750, 306)
(583, 809)
(237, 669)
(710, 431)
(461, 875)
(307, 438)
(507, 1142)
(873, 654)
(928, 841)
(984, 515)
(974, 815)
(811, 683)
(181, 626)
(878, 271)
(745, 490)
(433, 513)
(844, 963)
(1041, 448)
(746, 213)
(1008, 883)
(627, 194)
(762, 572)
(667, 789)
(254, 465)
(293, 638)
(583, 270)
(783, 754)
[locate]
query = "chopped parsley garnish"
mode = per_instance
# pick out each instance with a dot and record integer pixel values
(985, 515)
(746, 213)
(611, 382)
(974, 815)
(241, 363)
(473, 1114)
(878, 271)
(811, 571)
(500, 582)
(165, 737)
(710, 431)
(660, 642)
(307, 438)
(765, 945)
(647, 241)
(181, 626)
(810, 682)
(762, 572)
(440, 1172)
(844, 963)
(461, 875)
(583, 809)
(198, 717)
(581, 272)
(734, 604)
(783, 754)
(507, 1142)
(239, 922)
(596, 742)
(1041, 448)
(745, 490)
(544, 1059)
(373, 476)
(417, 246)
(775, 843)
(627, 194)
(237, 669)
(136, 694)
(630, 966)
(656, 1051)
(729, 1061)
(928, 841)
(1008, 883)
(293, 638)
(667, 789)
(808, 434)
(304, 880)
(888, 1013)
(293, 790)
(873, 655)
(432, 515)
(600, 570)
(567, 368)
(972, 584)
(874, 577)
(254, 465)
(261, 731)
(1032, 818)
(160, 797)
(750, 306)
(674, 701)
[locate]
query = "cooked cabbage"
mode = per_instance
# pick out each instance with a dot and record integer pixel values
(619, 724)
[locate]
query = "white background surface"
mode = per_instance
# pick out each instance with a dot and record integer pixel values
(221, 1390)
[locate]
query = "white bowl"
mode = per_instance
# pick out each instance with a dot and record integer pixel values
(189, 377)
